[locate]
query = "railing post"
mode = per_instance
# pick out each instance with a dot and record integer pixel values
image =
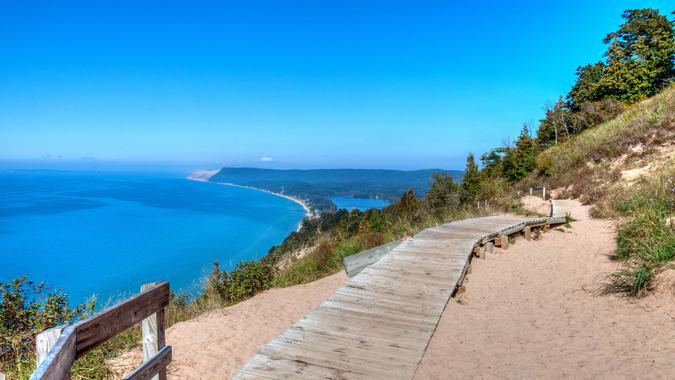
(530, 191)
(543, 193)
(44, 342)
(152, 329)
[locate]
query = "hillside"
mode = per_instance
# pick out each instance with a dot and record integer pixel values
(318, 186)
(624, 169)
(599, 162)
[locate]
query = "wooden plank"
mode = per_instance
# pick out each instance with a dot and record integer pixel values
(44, 342)
(378, 324)
(60, 358)
(355, 263)
(152, 367)
(97, 329)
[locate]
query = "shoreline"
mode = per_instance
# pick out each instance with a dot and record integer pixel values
(204, 176)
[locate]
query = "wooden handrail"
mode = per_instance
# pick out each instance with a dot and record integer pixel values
(79, 338)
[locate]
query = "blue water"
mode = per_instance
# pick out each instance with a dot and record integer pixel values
(362, 204)
(108, 233)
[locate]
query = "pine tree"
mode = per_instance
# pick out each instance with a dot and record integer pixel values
(471, 181)
(522, 158)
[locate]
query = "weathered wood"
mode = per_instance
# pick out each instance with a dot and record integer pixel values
(60, 358)
(527, 233)
(489, 247)
(152, 367)
(97, 329)
(356, 263)
(504, 241)
(44, 342)
(77, 339)
(378, 324)
(152, 329)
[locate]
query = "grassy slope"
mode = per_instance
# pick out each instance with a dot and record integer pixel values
(592, 166)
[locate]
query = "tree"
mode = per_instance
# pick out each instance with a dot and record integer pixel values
(442, 193)
(585, 88)
(521, 159)
(493, 161)
(556, 125)
(407, 206)
(470, 182)
(640, 57)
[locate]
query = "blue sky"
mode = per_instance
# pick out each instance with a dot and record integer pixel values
(305, 84)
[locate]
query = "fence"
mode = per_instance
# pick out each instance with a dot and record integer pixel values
(59, 347)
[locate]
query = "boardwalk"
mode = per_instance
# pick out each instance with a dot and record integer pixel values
(378, 325)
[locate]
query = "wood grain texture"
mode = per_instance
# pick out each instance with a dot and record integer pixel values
(379, 323)
(97, 329)
(152, 367)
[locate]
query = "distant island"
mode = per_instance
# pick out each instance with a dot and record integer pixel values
(316, 187)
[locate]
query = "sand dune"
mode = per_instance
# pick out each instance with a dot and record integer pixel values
(214, 345)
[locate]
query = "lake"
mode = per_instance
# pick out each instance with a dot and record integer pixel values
(362, 204)
(108, 233)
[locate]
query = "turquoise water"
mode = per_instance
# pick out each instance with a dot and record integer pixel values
(362, 204)
(108, 233)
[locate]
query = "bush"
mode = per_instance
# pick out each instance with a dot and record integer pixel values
(26, 309)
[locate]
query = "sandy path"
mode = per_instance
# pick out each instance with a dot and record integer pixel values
(216, 344)
(534, 312)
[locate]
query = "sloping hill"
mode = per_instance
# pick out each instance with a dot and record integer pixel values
(625, 169)
(637, 144)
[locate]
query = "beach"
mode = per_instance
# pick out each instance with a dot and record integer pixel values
(205, 175)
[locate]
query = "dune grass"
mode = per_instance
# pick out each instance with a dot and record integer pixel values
(592, 162)
(646, 235)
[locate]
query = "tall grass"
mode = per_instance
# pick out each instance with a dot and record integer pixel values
(646, 236)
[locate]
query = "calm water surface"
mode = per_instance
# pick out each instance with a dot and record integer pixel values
(108, 233)
(362, 204)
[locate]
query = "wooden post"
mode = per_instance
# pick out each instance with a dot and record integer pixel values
(481, 252)
(490, 246)
(543, 193)
(44, 342)
(530, 191)
(504, 242)
(546, 227)
(527, 231)
(152, 329)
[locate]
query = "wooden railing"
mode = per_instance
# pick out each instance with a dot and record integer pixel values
(58, 348)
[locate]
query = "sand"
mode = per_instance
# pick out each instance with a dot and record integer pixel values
(536, 204)
(216, 344)
(534, 311)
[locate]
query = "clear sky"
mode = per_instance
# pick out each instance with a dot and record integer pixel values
(284, 83)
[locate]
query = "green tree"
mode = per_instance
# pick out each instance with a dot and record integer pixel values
(522, 158)
(556, 126)
(442, 193)
(585, 88)
(470, 182)
(407, 206)
(640, 56)
(493, 162)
